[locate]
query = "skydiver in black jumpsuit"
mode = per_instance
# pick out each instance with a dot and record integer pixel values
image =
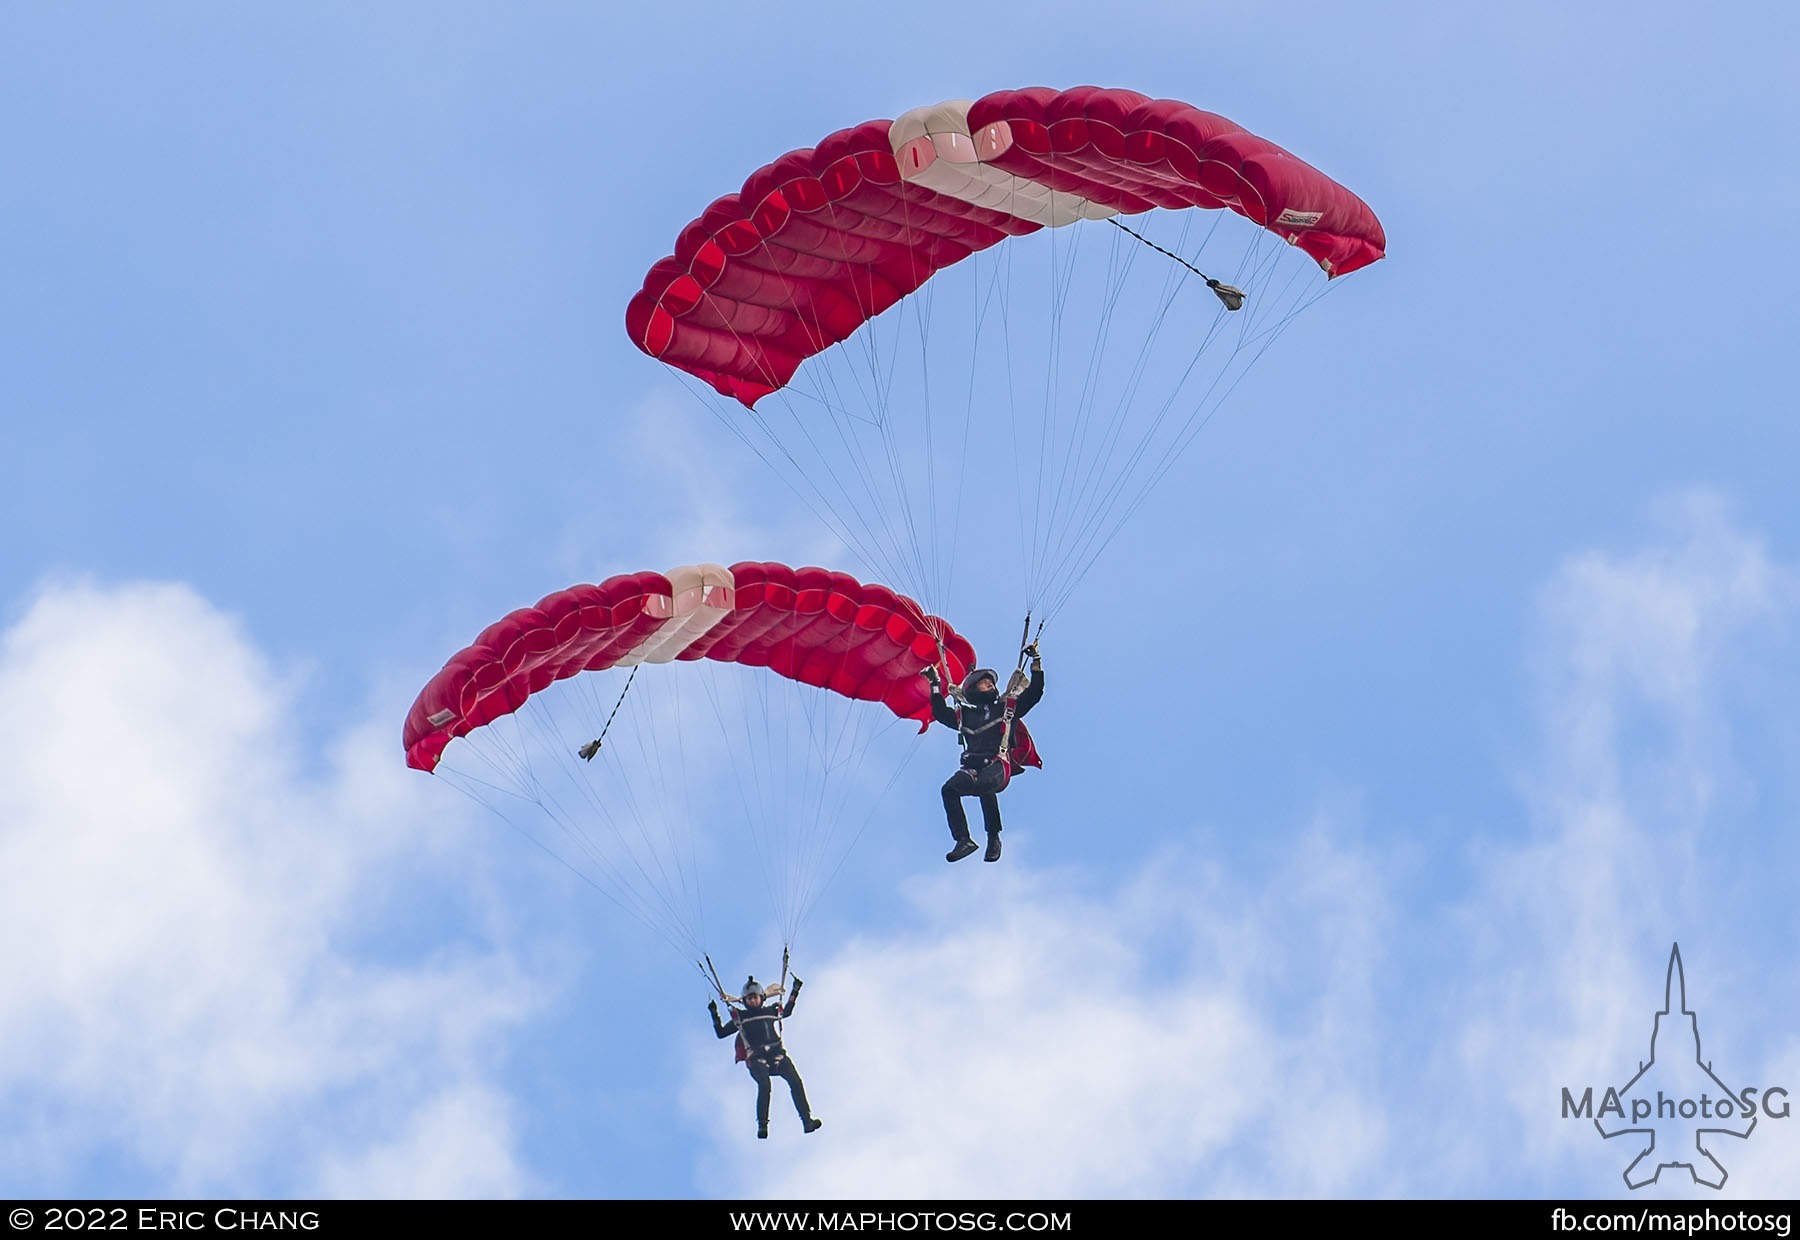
(764, 1054)
(984, 770)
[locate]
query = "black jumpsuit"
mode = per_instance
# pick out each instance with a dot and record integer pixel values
(767, 1057)
(983, 772)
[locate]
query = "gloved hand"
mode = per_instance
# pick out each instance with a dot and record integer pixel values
(712, 1005)
(797, 985)
(1032, 650)
(931, 674)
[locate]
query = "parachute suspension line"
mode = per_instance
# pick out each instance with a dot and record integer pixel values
(766, 799)
(634, 850)
(1232, 297)
(666, 927)
(754, 801)
(1197, 423)
(588, 750)
(1106, 470)
(981, 300)
(841, 748)
(1103, 475)
(1050, 447)
(1000, 278)
(1100, 510)
(849, 755)
(872, 549)
(1085, 450)
(797, 822)
(1099, 467)
(1081, 461)
(1048, 414)
(781, 820)
(877, 546)
(903, 530)
(881, 547)
(1060, 449)
(1253, 342)
(660, 855)
(868, 817)
(922, 302)
(689, 875)
(890, 547)
(836, 517)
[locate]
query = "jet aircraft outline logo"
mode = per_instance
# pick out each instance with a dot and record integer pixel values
(1685, 1120)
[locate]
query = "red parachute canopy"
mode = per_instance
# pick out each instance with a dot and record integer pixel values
(811, 625)
(824, 239)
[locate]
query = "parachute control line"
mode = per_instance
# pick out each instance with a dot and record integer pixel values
(1232, 297)
(587, 751)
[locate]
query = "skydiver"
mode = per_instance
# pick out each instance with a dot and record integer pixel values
(759, 1046)
(984, 722)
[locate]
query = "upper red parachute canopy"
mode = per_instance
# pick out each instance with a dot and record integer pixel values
(811, 625)
(824, 239)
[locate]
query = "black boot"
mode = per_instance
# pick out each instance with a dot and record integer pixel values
(762, 1132)
(811, 1124)
(993, 848)
(964, 846)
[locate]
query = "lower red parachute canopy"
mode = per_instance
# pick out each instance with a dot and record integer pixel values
(811, 625)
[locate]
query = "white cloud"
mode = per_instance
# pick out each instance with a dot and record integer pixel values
(1767, 1164)
(1636, 658)
(457, 1144)
(206, 999)
(184, 996)
(1203, 1033)
(1030, 1039)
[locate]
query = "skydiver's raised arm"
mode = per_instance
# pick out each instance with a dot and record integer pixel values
(723, 1030)
(941, 710)
(1034, 691)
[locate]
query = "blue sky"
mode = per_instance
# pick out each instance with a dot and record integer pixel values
(1445, 682)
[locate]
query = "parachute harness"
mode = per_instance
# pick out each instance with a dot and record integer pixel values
(732, 1002)
(1015, 685)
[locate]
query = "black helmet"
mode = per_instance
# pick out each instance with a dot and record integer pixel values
(981, 697)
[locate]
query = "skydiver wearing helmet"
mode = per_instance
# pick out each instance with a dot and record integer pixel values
(759, 1046)
(995, 745)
